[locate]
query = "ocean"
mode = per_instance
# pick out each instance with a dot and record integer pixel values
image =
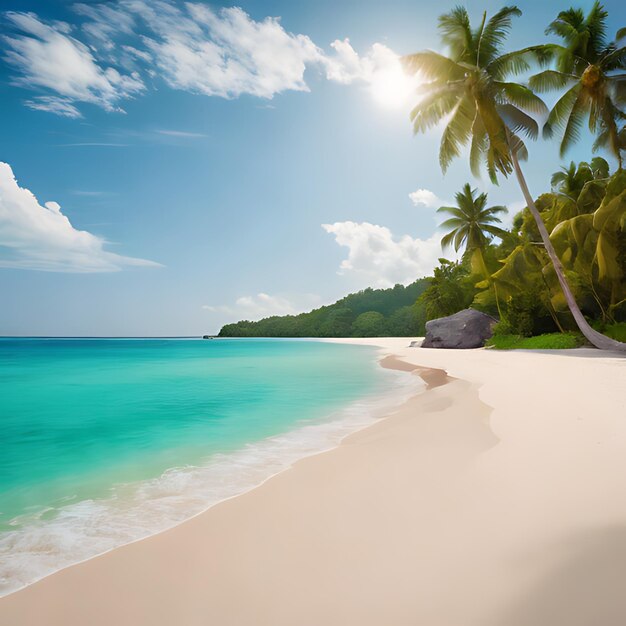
(106, 441)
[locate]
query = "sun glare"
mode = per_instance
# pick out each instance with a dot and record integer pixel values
(392, 88)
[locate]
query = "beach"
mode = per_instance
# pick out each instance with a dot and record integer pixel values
(494, 497)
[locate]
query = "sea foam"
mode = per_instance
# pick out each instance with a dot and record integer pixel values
(133, 511)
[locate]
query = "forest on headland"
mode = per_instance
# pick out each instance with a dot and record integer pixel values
(561, 267)
(508, 276)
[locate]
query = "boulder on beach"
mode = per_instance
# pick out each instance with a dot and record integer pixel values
(466, 329)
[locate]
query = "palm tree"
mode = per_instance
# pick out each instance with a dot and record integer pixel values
(570, 181)
(485, 110)
(472, 224)
(587, 66)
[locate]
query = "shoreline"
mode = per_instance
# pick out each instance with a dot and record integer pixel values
(447, 512)
(222, 477)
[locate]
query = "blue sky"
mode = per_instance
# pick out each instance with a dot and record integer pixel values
(197, 151)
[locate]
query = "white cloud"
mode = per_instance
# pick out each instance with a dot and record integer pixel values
(264, 305)
(180, 133)
(513, 209)
(39, 237)
(226, 53)
(105, 22)
(49, 58)
(381, 259)
(425, 197)
(54, 104)
(192, 47)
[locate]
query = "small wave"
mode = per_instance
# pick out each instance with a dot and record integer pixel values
(134, 511)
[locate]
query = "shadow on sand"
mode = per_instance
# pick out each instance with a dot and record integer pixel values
(587, 588)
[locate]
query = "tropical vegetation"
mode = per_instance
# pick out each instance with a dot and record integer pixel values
(397, 312)
(560, 268)
(473, 92)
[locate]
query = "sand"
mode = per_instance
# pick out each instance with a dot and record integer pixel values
(497, 497)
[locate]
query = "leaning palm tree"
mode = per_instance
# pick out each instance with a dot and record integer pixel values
(469, 89)
(591, 70)
(472, 225)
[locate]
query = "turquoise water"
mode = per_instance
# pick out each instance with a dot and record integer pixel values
(107, 440)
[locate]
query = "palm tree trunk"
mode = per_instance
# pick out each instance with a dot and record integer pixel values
(593, 336)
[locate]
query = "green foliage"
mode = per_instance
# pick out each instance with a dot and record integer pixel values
(527, 314)
(502, 328)
(448, 292)
(616, 331)
(471, 223)
(472, 91)
(358, 314)
(551, 341)
(588, 67)
(370, 324)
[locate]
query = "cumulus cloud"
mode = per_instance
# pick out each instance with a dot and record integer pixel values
(191, 46)
(425, 197)
(226, 53)
(381, 259)
(48, 57)
(264, 305)
(40, 237)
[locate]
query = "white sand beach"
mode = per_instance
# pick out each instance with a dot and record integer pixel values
(494, 498)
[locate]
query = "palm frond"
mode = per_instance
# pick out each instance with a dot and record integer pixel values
(520, 61)
(495, 33)
(571, 132)
(452, 210)
(447, 239)
(550, 80)
(596, 27)
(456, 33)
(557, 119)
(518, 147)
(433, 108)
(516, 120)
(614, 60)
(621, 33)
(432, 66)
(453, 222)
(478, 146)
(494, 230)
(567, 25)
(456, 133)
(492, 211)
(520, 96)
(459, 238)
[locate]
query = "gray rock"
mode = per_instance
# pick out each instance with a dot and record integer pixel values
(465, 329)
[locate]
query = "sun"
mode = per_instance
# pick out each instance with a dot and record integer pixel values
(392, 88)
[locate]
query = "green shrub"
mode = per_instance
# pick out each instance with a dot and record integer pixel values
(550, 341)
(503, 327)
(616, 331)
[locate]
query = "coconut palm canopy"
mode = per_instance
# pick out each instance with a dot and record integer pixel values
(472, 224)
(592, 70)
(471, 86)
